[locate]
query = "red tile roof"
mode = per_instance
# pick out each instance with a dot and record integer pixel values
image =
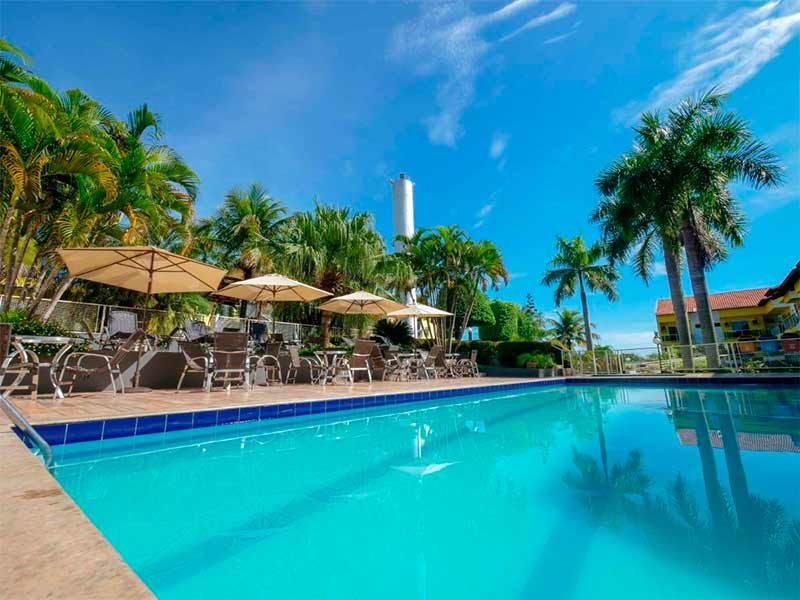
(736, 299)
(755, 442)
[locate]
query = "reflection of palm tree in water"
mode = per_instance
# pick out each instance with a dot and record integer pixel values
(749, 542)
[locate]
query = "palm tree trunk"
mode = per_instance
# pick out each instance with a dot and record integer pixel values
(56, 297)
(325, 328)
(587, 326)
(697, 275)
(11, 268)
(672, 265)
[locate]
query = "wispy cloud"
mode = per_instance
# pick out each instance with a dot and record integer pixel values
(659, 268)
(499, 144)
(785, 140)
(726, 52)
(483, 213)
(450, 42)
(517, 275)
(559, 38)
(561, 11)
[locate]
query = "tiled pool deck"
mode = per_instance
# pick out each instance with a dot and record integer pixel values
(47, 546)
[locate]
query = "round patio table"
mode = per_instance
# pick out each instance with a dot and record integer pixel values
(330, 359)
(66, 344)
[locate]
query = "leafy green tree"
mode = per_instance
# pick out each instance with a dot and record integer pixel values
(506, 322)
(576, 268)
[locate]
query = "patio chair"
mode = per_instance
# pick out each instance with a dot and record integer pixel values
(108, 364)
(121, 325)
(258, 333)
(18, 362)
(230, 359)
(316, 369)
(196, 331)
(468, 367)
(197, 361)
(436, 364)
(271, 364)
(386, 365)
(360, 360)
(276, 338)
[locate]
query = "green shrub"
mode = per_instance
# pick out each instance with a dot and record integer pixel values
(538, 359)
(23, 324)
(505, 322)
(507, 352)
(487, 352)
(398, 333)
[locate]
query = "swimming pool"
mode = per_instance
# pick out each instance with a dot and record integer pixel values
(550, 492)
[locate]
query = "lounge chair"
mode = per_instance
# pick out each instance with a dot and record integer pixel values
(108, 364)
(197, 361)
(436, 364)
(18, 362)
(230, 359)
(121, 325)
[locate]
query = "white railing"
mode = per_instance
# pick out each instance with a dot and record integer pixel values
(763, 355)
(82, 317)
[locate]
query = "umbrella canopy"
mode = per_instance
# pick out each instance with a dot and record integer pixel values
(272, 288)
(361, 303)
(142, 269)
(422, 311)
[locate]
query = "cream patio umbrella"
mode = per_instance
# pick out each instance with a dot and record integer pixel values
(361, 303)
(144, 269)
(272, 288)
(421, 311)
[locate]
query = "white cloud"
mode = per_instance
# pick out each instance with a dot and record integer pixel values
(659, 268)
(726, 52)
(450, 42)
(483, 213)
(558, 38)
(561, 11)
(499, 144)
(517, 275)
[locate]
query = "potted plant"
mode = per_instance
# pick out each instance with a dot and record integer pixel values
(542, 364)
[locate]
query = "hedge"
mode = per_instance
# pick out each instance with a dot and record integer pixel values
(487, 353)
(505, 322)
(507, 352)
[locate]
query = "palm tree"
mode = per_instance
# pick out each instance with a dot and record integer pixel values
(340, 252)
(568, 328)
(576, 267)
(248, 227)
(450, 269)
(674, 187)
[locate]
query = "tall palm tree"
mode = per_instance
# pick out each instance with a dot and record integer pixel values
(578, 268)
(674, 187)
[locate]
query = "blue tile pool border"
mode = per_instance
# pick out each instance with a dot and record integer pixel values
(83, 431)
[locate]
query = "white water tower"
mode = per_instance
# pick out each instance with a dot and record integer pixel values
(403, 219)
(403, 208)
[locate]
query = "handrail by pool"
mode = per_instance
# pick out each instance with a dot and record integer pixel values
(22, 423)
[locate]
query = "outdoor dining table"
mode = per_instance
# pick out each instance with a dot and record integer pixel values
(66, 344)
(409, 363)
(330, 359)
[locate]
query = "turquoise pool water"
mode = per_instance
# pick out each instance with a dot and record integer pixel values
(555, 492)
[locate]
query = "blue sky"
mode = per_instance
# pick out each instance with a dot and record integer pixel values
(502, 113)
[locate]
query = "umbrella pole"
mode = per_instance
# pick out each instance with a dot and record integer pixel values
(145, 323)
